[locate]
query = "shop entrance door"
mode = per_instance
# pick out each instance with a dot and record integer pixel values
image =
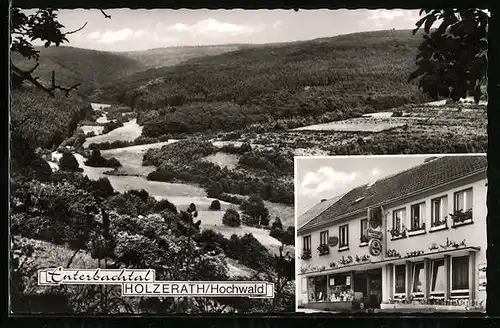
(374, 282)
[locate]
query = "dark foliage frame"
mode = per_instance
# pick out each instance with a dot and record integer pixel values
(294, 319)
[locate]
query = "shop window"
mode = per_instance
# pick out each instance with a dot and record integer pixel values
(418, 281)
(438, 276)
(459, 274)
(399, 280)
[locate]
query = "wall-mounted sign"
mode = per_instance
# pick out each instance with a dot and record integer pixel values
(332, 281)
(481, 268)
(348, 280)
(333, 241)
(374, 234)
(375, 247)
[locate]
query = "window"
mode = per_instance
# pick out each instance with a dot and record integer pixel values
(399, 279)
(323, 237)
(438, 277)
(463, 200)
(460, 273)
(344, 236)
(307, 243)
(398, 220)
(417, 216)
(438, 212)
(364, 229)
(418, 278)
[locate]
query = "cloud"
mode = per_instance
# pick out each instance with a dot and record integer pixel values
(382, 17)
(376, 171)
(213, 28)
(110, 36)
(325, 179)
(277, 24)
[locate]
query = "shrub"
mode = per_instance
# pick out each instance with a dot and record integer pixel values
(41, 168)
(249, 220)
(215, 205)
(69, 163)
(277, 224)
(231, 218)
(397, 114)
(164, 205)
(96, 160)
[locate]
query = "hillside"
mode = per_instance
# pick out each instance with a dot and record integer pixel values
(74, 65)
(162, 57)
(346, 75)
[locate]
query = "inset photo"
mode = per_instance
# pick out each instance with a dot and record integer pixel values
(402, 233)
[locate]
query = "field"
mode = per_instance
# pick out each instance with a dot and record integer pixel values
(355, 125)
(128, 132)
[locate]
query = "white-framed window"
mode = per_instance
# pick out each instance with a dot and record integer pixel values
(399, 280)
(343, 237)
(463, 200)
(438, 277)
(417, 218)
(323, 237)
(438, 211)
(398, 222)
(459, 276)
(418, 279)
(306, 243)
(363, 233)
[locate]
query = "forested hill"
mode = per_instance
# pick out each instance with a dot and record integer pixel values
(162, 57)
(368, 71)
(75, 65)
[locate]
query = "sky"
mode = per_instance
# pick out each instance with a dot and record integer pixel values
(326, 177)
(142, 29)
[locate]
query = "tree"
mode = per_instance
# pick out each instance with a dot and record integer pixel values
(277, 224)
(215, 205)
(452, 60)
(69, 163)
(43, 25)
(254, 206)
(231, 218)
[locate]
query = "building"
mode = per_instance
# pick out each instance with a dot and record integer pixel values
(416, 239)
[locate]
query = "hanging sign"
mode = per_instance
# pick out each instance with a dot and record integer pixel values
(332, 281)
(374, 234)
(348, 280)
(375, 247)
(333, 241)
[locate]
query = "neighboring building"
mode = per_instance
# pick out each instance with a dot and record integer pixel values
(416, 239)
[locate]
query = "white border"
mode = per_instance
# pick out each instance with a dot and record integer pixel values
(298, 279)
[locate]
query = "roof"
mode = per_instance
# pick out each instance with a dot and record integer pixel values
(315, 211)
(430, 174)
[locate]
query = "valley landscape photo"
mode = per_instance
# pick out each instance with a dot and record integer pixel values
(165, 139)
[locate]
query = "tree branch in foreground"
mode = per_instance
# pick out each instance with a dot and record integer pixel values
(26, 76)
